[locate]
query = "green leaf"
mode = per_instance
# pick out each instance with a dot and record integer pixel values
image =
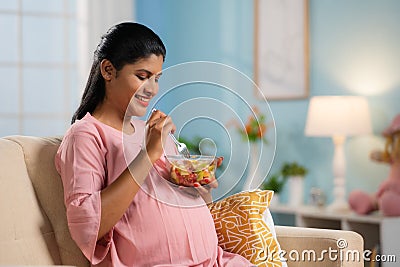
(293, 169)
(275, 183)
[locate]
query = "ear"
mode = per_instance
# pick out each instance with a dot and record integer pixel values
(107, 69)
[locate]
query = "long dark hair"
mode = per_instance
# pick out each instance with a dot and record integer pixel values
(124, 43)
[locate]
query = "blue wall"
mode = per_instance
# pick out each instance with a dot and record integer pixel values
(354, 50)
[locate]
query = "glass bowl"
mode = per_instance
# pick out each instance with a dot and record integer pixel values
(187, 171)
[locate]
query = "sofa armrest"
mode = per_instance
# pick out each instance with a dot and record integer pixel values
(320, 247)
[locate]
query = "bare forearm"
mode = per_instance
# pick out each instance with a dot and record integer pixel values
(116, 198)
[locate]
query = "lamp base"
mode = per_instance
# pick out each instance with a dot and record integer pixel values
(339, 203)
(338, 206)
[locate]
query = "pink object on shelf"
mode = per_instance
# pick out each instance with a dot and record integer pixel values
(387, 198)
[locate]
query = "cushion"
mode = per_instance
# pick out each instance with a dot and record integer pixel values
(39, 158)
(241, 228)
(22, 243)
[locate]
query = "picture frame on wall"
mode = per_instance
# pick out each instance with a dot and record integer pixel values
(281, 67)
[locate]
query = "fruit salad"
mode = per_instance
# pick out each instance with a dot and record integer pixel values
(187, 171)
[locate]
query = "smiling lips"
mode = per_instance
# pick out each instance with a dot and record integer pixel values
(144, 101)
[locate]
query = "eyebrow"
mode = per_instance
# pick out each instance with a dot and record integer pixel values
(149, 72)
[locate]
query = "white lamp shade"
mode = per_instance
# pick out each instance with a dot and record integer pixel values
(338, 115)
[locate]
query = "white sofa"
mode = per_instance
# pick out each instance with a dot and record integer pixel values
(34, 227)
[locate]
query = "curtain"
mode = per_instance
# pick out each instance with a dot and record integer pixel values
(95, 17)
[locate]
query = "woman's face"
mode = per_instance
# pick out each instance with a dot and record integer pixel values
(132, 87)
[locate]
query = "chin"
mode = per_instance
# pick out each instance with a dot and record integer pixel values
(140, 114)
(136, 111)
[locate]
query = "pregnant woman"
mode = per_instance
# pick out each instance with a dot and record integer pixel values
(121, 210)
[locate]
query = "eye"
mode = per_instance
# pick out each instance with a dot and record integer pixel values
(142, 78)
(157, 78)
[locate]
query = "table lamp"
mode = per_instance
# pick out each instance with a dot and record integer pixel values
(338, 117)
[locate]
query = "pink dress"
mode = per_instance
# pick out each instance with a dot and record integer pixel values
(163, 226)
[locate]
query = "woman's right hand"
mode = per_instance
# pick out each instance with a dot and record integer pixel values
(158, 126)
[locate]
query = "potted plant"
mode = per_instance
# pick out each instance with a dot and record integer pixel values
(294, 173)
(253, 131)
(274, 183)
(290, 169)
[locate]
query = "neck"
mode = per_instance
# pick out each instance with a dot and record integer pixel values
(112, 117)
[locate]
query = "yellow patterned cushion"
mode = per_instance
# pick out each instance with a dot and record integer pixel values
(240, 227)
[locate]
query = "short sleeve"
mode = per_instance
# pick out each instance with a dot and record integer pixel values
(81, 164)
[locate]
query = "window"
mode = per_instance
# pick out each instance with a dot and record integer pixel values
(38, 66)
(41, 77)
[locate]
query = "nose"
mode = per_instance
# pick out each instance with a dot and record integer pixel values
(151, 87)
